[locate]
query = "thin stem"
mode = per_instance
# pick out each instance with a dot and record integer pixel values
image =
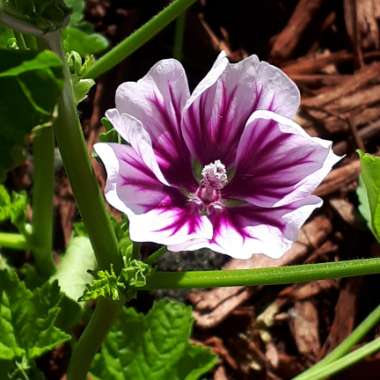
(20, 40)
(43, 191)
(344, 362)
(155, 255)
(178, 36)
(131, 43)
(90, 202)
(345, 346)
(31, 41)
(19, 25)
(13, 241)
(101, 321)
(264, 276)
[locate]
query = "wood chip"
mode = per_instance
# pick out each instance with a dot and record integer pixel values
(213, 306)
(354, 82)
(305, 327)
(288, 39)
(339, 178)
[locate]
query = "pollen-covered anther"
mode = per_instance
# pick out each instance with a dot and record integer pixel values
(214, 175)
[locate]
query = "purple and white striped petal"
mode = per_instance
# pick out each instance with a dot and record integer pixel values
(156, 212)
(277, 162)
(247, 230)
(217, 111)
(157, 101)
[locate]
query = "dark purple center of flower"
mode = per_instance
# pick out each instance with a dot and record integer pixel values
(208, 195)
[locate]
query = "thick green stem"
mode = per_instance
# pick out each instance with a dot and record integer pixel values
(178, 36)
(101, 321)
(13, 241)
(90, 202)
(138, 38)
(346, 361)
(78, 167)
(43, 190)
(345, 346)
(264, 276)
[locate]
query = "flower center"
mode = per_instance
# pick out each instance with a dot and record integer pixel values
(208, 194)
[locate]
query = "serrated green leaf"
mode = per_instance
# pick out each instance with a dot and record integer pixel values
(197, 361)
(72, 273)
(152, 347)
(369, 191)
(84, 43)
(27, 318)
(32, 83)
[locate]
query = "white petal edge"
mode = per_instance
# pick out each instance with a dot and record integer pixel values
(269, 240)
(151, 227)
(310, 182)
(132, 131)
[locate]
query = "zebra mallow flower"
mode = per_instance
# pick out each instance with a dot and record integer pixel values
(224, 167)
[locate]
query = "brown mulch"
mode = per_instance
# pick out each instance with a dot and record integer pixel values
(330, 48)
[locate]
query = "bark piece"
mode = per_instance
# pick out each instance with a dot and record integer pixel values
(288, 39)
(339, 178)
(305, 327)
(345, 313)
(354, 82)
(367, 14)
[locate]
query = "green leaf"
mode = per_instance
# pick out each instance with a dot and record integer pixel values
(110, 134)
(32, 82)
(27, 318)
(72, 273)
(13, 207)
(369, 191)
(82, 42)
(46, 15)
(82, 88)
(197, 361)
(77, 7)
(152, 347)
(7, 38)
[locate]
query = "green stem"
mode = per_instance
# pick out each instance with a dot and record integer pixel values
(155, 255)
(131, 43)
(344, 362)
(13, 241)
(101, 321)
(78, 167)
(20, 40)
(43, 191)
(90, 202)
(264, 276)
(178, 36)
(345, 346)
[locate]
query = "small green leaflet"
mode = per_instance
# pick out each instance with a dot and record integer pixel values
(82, 42)
(27, 318)
(32, 82)
(369, 191)
(155, 346)
(7, 38)
(79, 35)
(13, 207)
